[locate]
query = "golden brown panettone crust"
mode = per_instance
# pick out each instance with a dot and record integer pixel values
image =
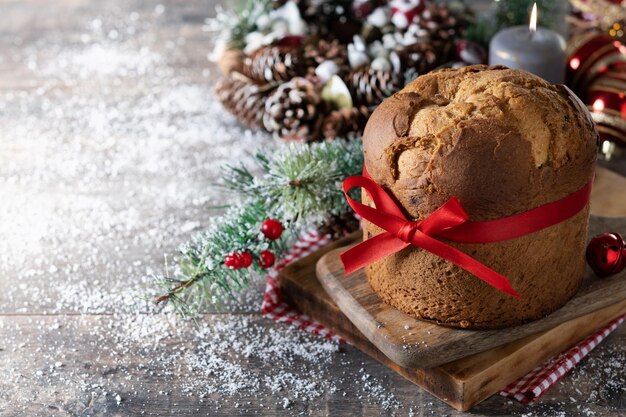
(502, 141)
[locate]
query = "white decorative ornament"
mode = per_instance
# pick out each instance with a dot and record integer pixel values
(254, 40)
(263, 22)
(377, 49)
(337, 93)
(400, 20)
(290, 13)
(389, 41)
(396, 63)
(359, 43)
(380, 17)
(326, 70)
(381, 64)
(281, 27)
(357, 53)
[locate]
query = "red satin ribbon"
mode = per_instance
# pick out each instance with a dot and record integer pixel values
(450, 221)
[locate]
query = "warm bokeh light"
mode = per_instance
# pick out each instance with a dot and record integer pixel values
(574, 63)
(598, 105)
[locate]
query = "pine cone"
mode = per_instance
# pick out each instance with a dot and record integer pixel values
(419, 57)
(274, 63)
(345, 123)
(330, 19)
(338, 225)
(244, 99)
(438, 23)
(231, 61)
(322, 50)
(369, 87)
(293, 111)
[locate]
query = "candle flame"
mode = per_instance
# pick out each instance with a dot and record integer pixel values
(533, 19)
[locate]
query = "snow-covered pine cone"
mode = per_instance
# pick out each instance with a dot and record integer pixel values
(244, 99)
(293, 111)
(338, 225)
(275, 63)
(438, 23)
(419, 58)
(369, 87)
(322, 50)
(345, 123)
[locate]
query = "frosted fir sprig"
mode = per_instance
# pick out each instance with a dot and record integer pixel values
(299, 185)
(232, 26)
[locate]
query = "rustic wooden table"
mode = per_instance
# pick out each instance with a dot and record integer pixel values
(109, 144)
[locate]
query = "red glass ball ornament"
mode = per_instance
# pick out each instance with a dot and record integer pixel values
(246, 259)
(606, 254)
(266, 259)
(233, 260)
(470, 52)
(272, 229)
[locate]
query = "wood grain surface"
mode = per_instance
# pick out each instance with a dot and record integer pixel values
(59, 359)
(462, 383)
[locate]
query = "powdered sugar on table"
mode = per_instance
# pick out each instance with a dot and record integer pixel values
(110, 143)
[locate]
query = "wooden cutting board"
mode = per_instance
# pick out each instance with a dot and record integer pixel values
(464, 382)
(413, 343)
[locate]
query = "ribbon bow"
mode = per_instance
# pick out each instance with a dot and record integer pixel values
(449, 221)
(401, 233)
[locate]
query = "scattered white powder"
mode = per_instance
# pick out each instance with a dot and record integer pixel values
(106, 167)
(111, 144)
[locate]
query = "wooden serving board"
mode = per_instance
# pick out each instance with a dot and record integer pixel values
(461, 383)
(414, 343)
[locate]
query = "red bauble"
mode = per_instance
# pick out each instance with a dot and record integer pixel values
(606, 254)
(246, 259)
(593, 55)
(607, 103)
(266, 259)
(470, 52)
(272, 229)
(233, 260)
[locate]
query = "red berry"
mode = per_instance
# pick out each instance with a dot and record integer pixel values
(246, 259)
(272, 229)
(266, 259)
(233, 260)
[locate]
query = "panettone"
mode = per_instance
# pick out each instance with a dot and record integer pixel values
(503, 142)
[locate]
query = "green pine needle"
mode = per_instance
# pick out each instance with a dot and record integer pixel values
(246, 18)
(299, 185)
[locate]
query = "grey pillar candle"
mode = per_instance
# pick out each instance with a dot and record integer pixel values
(540, 51)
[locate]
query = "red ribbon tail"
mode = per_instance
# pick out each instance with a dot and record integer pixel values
(371, 250)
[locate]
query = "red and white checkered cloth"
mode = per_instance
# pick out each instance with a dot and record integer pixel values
(535, 383)
(526, 389)
(273, 305)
